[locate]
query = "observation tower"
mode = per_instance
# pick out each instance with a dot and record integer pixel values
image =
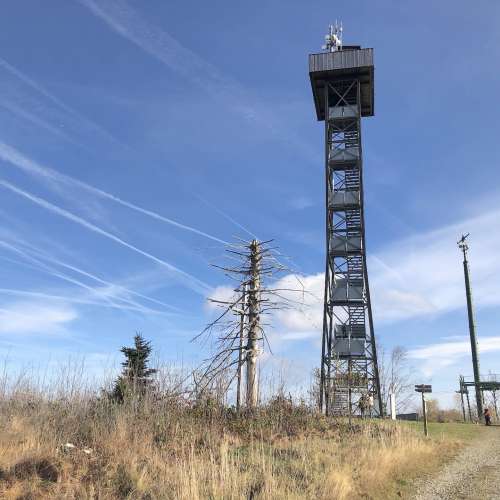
(343, 90)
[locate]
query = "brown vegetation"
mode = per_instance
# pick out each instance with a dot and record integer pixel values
(437, 414)
(172, 447)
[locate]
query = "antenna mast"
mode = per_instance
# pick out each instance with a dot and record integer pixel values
(462, 244)
(333, 40)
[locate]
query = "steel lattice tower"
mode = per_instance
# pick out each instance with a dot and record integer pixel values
(343, 91)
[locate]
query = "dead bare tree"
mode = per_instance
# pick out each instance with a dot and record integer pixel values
(238, 332)
(395, 377)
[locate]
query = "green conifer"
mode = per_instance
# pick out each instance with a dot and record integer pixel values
(136, 377)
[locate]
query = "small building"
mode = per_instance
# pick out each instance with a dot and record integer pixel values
(413, 417)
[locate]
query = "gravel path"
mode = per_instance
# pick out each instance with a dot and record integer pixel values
(473, 474)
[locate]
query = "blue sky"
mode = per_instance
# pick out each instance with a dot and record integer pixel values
(137, 137)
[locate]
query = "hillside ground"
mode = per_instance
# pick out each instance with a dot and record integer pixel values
(89, 448)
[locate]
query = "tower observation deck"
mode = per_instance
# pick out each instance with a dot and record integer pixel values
(343, 91)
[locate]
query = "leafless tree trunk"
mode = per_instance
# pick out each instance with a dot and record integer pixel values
(240, 349)
(254, 329)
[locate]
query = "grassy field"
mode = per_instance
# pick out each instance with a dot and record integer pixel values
(172, 448)
(461, 432)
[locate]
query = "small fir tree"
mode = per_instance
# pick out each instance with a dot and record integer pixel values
(136, 377)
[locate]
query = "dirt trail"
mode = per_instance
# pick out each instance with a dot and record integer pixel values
(473, 474)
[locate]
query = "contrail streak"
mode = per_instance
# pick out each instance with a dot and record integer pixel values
(192, 282)
(26, 115)
(34, 85)
(48, 296)
(41, 266)
(55, 100)
(17, 159)
(33, 250)
(126, 22)
(226, 216)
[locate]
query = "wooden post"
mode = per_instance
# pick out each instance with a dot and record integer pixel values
(240, 350)
(254, 331)
(424, 411)
(423, 388)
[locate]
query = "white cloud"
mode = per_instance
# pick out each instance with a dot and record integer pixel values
(35, 317)
(423, 275)
(298, 335)
(305, 314)
(442, 354)
(418, 276)
(302, 319)
(221, 293)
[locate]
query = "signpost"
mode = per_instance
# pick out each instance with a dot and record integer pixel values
(423, 388)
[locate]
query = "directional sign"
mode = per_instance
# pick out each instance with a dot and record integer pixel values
(423, 388)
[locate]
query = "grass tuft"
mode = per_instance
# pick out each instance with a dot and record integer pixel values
(181, 449)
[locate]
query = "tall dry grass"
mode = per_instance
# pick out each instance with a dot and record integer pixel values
(169, 446)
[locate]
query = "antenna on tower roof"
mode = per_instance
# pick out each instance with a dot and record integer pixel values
(333, 40)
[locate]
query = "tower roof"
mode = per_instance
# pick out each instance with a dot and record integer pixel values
(346, 64)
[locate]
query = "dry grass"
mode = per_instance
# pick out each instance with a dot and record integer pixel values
(169, 449)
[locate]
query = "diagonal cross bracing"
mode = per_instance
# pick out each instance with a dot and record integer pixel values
(349, 364)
